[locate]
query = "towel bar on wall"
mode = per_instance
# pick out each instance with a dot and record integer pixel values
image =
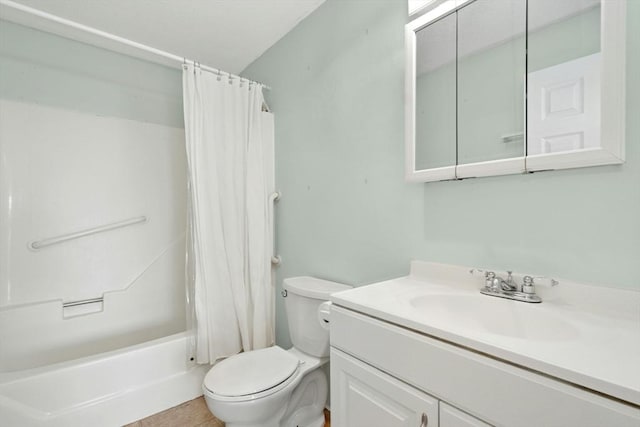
(41, 244)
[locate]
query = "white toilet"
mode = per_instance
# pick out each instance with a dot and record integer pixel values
(273, 387)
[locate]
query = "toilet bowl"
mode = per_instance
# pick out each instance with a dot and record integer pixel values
(273, 387)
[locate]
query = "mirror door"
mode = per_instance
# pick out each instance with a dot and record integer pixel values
(436, 95)
(570, 78)
(498, 87)
(432, 107)
(491, 58)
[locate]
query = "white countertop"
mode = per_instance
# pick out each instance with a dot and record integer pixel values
(585, 335)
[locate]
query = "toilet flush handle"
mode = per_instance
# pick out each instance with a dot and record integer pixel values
(324, 312)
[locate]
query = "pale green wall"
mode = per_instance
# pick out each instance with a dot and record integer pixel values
(346, 212)
(41, 68)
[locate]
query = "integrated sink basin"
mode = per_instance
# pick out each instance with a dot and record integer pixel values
(492, 315)
(581, 334)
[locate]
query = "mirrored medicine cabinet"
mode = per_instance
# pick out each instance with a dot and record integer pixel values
(496, 87)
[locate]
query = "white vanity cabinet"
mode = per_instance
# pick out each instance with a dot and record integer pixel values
(364, 396)
(368, 397)
(385, 375)
(452, 417)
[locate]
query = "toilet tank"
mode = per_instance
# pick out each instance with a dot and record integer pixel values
(303, 298)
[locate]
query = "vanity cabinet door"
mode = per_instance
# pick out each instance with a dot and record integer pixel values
(362, 396)
(452, 417)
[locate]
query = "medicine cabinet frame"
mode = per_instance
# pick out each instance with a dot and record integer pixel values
(612, 105)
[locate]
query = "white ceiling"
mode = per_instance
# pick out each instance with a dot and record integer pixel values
(225, 34)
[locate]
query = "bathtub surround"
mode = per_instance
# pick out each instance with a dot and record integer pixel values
(229, 151)
(76, 124)
(90, 138)
(348, 215)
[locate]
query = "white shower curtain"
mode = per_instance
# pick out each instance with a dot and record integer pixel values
(230, 242)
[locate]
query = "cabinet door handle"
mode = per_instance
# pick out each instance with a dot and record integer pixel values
(425, 420)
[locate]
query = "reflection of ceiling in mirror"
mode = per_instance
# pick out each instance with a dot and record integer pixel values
(415, 5)
(434, 50)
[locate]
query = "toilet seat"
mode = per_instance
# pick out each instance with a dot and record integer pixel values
(251, 375)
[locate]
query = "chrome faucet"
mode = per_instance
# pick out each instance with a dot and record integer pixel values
(499, 284)
(508, 288)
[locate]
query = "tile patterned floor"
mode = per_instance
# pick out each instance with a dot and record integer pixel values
(193, 413)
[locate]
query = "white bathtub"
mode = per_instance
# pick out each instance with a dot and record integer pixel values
(109, 389)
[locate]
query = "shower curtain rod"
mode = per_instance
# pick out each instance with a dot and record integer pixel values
(25, 15)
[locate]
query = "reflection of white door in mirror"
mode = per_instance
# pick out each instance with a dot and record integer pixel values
(565, 137)
(564, 107)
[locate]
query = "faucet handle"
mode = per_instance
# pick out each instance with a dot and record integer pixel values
(490, 281)
(527, 285)
(529, 281)
(481, 273)
(549, 282)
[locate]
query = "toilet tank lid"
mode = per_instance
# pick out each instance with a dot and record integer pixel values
(312, 287)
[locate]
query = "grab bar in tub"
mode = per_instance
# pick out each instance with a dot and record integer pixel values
(41, 244)
(82, 302)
